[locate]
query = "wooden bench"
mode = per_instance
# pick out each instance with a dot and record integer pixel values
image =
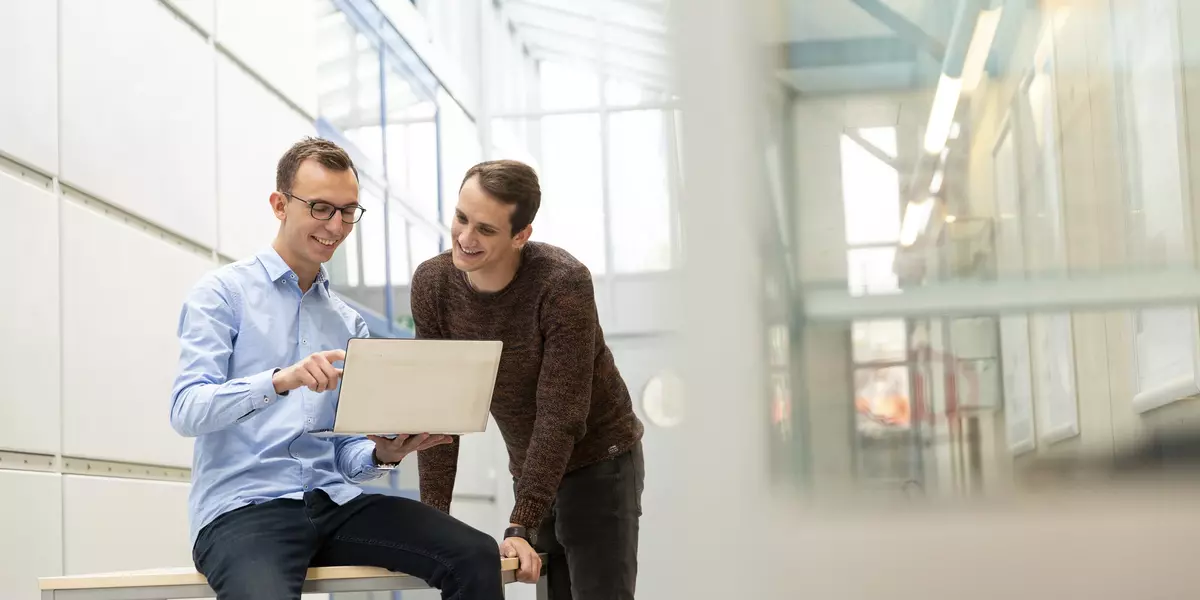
(168, 584)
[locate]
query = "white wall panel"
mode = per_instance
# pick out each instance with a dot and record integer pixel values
(29, 354)
(278, 40)
(138, 112)
(119, 344)
(30, 511)
(124, 524)
(254, 128)
(29, 102)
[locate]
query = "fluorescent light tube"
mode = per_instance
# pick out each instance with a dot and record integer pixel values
(941, 116)
(916, 218)
(935, 184)
(980, 48)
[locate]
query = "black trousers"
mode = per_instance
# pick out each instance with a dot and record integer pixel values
(591, 534)
(261, 552)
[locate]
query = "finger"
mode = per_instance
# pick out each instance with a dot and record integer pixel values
(318, 375)
(331, 374)
(414, 442)
(333, 356)
(529, 568)
(306, 379)
(326, 369)
(428, 444)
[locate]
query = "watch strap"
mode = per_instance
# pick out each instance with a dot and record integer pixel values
(517, 532)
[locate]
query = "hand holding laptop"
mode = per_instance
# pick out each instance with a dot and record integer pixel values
(393, 450)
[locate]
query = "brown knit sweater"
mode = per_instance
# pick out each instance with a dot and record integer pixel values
(559, 401)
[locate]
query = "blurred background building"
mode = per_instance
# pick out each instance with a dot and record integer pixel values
(894, 251)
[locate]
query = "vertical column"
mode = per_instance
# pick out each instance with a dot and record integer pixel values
(721, 448)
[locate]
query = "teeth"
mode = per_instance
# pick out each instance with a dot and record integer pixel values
(325, 242)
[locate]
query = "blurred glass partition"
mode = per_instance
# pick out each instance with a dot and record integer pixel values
(986, 242)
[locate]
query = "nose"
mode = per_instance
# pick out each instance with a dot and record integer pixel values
(464, 239)
(336, 225)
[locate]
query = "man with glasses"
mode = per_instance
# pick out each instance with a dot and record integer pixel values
(259, 342)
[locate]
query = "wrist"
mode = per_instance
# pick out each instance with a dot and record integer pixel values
(517, 531)
(277, 381)
(385, 460)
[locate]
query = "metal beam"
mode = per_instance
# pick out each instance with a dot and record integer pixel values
(656, 81)
(526, 28)
(1099, 292)
(815, 54)
(903, 27)
(869, 147)
(524, 5)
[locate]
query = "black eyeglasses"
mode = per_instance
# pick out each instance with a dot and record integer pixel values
(324, 211)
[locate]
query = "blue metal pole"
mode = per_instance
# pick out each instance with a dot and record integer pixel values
(437, 145)
(388, 301)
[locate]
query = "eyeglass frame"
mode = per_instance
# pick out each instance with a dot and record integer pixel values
(312, 205)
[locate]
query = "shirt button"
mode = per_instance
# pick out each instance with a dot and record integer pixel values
(266, 398)
(305, 342)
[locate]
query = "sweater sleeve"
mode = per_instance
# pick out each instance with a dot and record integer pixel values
(436, 466)
(568, 322)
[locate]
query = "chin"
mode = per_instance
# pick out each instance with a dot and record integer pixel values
(465, 265)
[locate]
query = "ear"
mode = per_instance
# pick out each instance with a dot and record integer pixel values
(522, 237)
(279, 205)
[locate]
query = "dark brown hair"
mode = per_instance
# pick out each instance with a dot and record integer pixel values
(511, 182)
(328, 154)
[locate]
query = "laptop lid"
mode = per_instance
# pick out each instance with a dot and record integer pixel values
(404, 386)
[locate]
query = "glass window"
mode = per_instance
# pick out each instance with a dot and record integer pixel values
(370, 231)
(870, 271)
(572, 215)
(639, 198)
(879, 341)
(870, 189)
(618, 92)
(881, 399)
(398, 244)
(566, 86)
(460, 150)
(412, 165)
(424, 244)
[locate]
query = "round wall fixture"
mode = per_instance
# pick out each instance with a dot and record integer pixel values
(662, 399)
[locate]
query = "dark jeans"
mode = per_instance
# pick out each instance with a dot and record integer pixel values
(261, 552)
(591, 534)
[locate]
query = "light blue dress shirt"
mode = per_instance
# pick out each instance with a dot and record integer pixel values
(238, 325)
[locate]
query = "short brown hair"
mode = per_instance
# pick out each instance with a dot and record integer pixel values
(330, 155)
(511, 182)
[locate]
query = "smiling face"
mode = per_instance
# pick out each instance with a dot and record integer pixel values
(305, 242)
(482, 231)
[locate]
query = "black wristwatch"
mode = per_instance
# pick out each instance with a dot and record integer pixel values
(517, 532)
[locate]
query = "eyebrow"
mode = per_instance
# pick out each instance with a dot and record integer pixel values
(354, 204)
(459, 213)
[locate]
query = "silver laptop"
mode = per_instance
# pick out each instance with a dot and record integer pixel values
(403, 386)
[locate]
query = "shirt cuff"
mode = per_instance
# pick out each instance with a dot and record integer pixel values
(364, 461)
(262, 392)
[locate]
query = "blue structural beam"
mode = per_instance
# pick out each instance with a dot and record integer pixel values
(377, 323)
(903, 27)
(849, 52)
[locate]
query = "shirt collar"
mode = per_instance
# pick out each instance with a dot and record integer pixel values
(277, 269)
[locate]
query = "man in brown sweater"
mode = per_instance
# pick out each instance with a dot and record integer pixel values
(574, 442)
